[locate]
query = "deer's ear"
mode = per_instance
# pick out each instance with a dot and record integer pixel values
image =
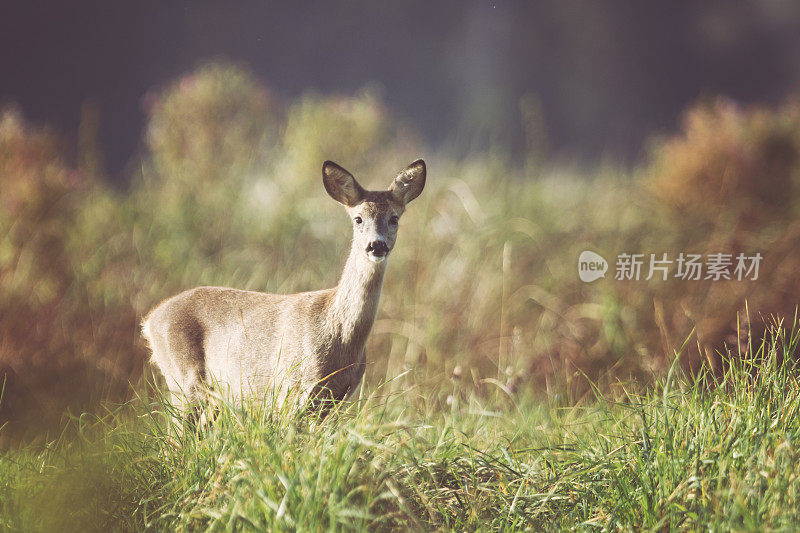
(341, 185)
(409, 183)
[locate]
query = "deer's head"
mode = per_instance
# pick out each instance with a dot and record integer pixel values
(374, 213)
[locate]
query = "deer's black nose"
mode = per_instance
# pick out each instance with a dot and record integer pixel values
(378, 248)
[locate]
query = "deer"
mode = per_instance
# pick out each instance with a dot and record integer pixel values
(312, 344)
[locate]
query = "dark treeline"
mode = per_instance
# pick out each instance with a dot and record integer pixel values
(594, 79)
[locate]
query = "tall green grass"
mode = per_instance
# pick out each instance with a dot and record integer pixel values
(715, 452)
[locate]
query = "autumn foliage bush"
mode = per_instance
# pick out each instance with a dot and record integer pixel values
(60, 343)
(730, 182)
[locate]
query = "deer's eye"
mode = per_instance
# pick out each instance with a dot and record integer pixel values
(393, 220)
(358, 220)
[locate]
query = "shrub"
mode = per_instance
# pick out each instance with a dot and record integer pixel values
(60, 344)
(730, 165)
(729, 182)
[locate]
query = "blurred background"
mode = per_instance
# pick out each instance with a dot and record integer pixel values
(146, 148)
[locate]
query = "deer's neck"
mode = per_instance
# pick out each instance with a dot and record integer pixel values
(355, 301)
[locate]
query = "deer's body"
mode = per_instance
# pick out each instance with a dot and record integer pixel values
(253, 344)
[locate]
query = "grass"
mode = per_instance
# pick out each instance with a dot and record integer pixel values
(718, 452)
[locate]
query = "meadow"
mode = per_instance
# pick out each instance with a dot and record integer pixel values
(684, 454)
(501, 390)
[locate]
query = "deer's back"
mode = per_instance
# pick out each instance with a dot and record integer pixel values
(249, 342)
